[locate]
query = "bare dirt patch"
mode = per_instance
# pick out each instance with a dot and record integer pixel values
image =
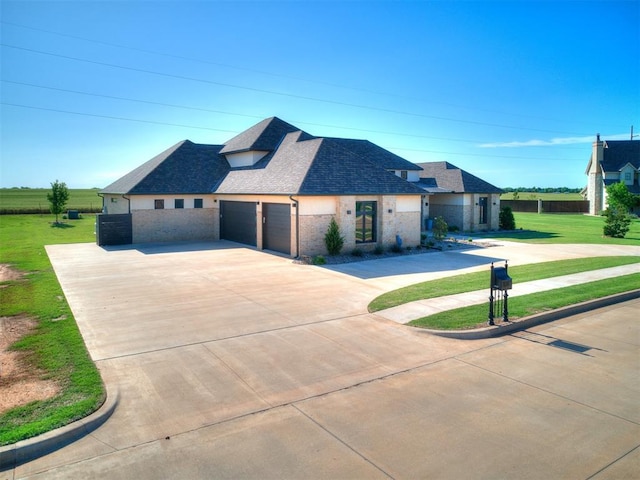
(20, 383)
(7, 273)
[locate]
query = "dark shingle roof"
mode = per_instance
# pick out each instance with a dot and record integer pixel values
(449, 178)
(314, 166)
(617, 153)
(297, 163)
(376, 154)
(186, 167)
(264, 136)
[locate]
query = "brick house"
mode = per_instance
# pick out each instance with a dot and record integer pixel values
(276, 187)
(273, 187)
(611, 161)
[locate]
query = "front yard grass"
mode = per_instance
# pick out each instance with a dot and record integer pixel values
(564, 228)
(476, 315)
(55, 347)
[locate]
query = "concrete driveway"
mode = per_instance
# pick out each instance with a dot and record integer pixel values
(233, 363)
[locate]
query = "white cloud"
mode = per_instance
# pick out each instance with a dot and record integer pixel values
(554, 142)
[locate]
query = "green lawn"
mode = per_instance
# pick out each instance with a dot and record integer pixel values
(34, 200)
(476, 315)
(55, 347)
(564, 228)
(478, 280)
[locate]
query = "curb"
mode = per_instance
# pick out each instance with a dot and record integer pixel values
(532, 321)
(16, 454)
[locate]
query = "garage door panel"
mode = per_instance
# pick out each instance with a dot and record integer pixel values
(276, 227)
(238, 222)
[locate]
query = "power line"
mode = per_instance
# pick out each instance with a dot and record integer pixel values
(154, 122)
(263, 72)
(271, 92)
(186, 107)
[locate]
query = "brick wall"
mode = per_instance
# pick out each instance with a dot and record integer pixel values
(175, 225)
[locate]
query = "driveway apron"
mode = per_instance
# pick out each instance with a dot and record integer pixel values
(236, 363)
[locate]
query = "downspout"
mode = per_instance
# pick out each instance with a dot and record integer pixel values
(297, 207)
(128, 202)
(102, 197)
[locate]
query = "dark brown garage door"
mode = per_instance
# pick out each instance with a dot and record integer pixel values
(238, 222)
(276, 227)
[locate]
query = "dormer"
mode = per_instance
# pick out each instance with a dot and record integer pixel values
(249, 147)
(244, 159)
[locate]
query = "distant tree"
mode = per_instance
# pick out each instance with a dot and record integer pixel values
(516, 195)
(619, 196)
(506, 219)
(620, 201)
(58, 198)
(332, 239)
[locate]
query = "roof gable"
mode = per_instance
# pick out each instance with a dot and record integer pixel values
(447, 177)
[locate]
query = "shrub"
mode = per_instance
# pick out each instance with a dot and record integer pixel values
(395, 248)
(357, 252)
(332, 239)
(319, 260)
(379, 250)
(616, 223)
(506, 219)
(440, 228)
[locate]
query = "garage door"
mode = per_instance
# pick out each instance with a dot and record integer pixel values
(276, 227)
(238, 222)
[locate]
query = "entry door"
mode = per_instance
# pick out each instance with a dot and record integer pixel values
(238, 222)
(484, 210)
(276, 227)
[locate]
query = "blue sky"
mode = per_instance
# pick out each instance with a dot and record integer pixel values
(512, 91)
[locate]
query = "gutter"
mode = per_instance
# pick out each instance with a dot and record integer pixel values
(297, 207)
(128, 202)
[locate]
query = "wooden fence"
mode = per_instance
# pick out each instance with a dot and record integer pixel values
(547, 206)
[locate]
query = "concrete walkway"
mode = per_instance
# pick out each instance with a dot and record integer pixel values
(422, 308)
(233, 363)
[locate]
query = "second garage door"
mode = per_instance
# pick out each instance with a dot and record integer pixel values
(276, 227)
(238, 222)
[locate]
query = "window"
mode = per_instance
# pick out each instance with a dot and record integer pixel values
(197, 203)
(159, 204)
(627, 177)
(178, 203)
(403, 174)
(484, 207)
(114, 200)
(366, 222)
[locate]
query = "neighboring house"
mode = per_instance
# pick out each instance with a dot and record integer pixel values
(273, 187)
(462, 199)
(611, 161)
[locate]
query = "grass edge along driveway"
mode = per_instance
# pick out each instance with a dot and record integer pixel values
(54, 348)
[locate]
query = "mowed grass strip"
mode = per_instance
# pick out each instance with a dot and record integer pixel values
(55, 347)
(526, 305)
(564, 228)
(478, 280)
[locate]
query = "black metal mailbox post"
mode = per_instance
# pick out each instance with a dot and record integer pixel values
(498, 296)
